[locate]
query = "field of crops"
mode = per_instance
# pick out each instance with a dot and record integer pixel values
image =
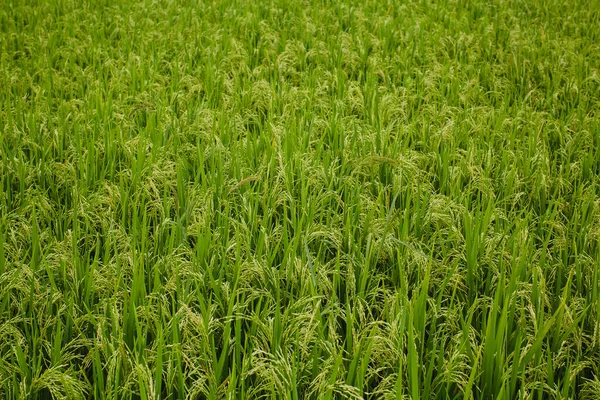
(300, 199)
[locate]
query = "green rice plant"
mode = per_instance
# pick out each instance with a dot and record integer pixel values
(297, 200)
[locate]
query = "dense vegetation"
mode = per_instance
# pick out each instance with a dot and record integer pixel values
(300, 199)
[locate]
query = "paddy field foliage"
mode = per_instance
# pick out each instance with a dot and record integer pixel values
(300, 199)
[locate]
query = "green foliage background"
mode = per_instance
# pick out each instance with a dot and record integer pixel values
(299, 199)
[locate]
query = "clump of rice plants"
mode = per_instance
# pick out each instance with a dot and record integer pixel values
(299, 199)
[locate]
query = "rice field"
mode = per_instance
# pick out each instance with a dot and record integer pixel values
(300, 199)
